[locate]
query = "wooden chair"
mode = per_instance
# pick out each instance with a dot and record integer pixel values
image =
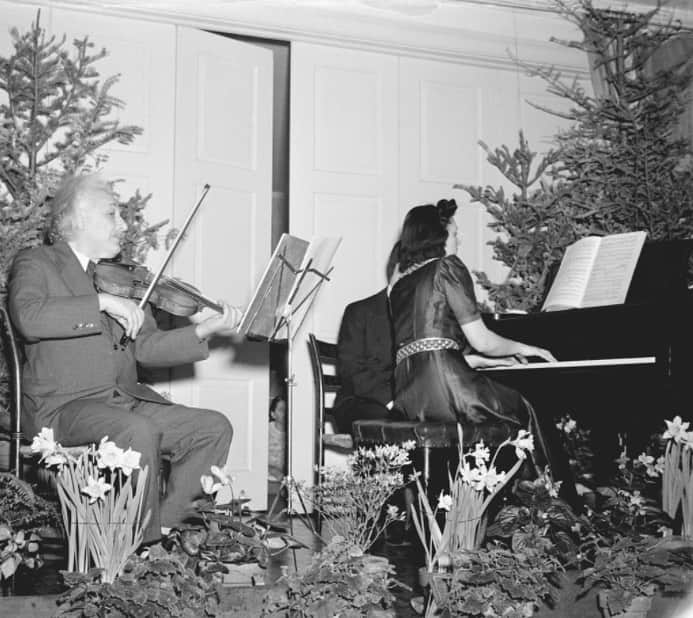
(323, 358)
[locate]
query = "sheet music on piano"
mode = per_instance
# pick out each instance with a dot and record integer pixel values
(595, 271)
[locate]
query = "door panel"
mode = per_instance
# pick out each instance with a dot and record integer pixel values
(343, 182)
(224, 138)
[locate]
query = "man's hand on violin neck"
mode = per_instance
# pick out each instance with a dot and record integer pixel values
(125, 311)
(220, 324)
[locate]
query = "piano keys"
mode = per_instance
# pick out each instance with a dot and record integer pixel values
(621, 368)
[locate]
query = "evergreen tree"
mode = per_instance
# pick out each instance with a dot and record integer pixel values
(55, 117)
(620, 166)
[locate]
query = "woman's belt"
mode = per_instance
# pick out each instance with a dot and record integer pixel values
(427, 344)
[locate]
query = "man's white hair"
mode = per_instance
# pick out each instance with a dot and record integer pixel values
(72, 190)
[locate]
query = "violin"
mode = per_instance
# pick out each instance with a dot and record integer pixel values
(132, 280)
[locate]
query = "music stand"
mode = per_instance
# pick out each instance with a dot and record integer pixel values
(292, 279)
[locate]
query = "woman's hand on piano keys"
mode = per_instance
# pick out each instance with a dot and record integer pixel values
(530, 351)
(478, 361)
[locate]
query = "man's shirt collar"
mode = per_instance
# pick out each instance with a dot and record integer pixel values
(83, 259)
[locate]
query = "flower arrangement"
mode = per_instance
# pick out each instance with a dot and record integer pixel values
(475, 483)
(677, 476)
(352, 499)
(101, 502)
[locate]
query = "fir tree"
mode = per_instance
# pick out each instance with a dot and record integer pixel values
(55, 117)
(620, 166)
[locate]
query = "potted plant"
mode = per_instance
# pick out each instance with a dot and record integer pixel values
(631, 569)
(341, 580)
(352, 500)
(155, 583)
(498, 581)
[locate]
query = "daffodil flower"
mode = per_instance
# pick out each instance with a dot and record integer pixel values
(524, 442)
(223, 474)
(109, 455)
(444, 502)
(676, 430)
(96, 489)
(208, 484)
(44, 443)
(130, 461)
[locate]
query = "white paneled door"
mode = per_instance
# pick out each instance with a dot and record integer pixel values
(223, 135)
(343, 182)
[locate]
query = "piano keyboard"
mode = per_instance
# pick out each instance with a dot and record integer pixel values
(571, 364)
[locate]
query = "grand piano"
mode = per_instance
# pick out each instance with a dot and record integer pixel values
(621, 368)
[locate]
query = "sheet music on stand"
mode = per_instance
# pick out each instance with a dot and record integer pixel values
(294, 275)
(286, 290)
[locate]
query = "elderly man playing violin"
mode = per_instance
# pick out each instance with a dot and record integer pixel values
(78, 377)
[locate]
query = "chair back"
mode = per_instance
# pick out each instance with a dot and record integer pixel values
(13, 357)
(323, 355)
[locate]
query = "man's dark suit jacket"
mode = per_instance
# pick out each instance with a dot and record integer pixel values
(71, 347)
(365, 359)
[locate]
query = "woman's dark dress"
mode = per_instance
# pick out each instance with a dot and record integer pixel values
(439, 385)
(433, 301)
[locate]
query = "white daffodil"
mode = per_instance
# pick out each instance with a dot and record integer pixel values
(492, 478)
(676, 430)
(44, 443)
(96, 489)
(109, 455)
(223, 474)
(409, 445)
(570, 426)
(130, 461)
(392, 511)
(481, 453)
(55, 459)
(524, 442)
(444, 502)
(208, 484)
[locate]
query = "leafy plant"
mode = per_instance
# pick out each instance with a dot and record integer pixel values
(540, 520)
(633, 566)
(340, 581)
(156, 583)
(498, 581)
(22, 514)
(21, 508)
(17, 549)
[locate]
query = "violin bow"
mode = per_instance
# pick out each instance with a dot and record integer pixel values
(157, 275)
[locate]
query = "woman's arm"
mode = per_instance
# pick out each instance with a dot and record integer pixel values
(489, 343)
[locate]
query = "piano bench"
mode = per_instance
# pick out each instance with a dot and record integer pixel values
(427, 435)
